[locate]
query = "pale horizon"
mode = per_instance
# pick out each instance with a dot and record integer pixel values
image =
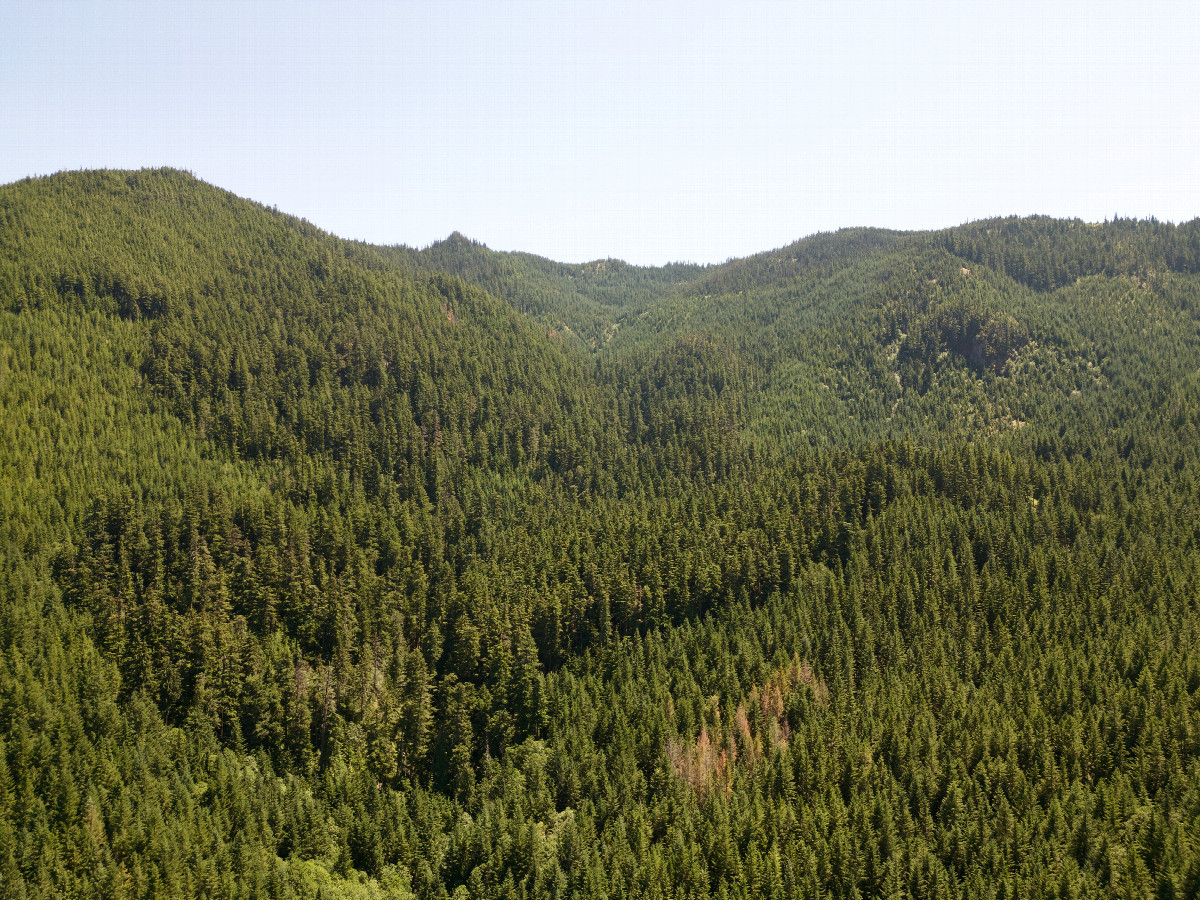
(650, 134)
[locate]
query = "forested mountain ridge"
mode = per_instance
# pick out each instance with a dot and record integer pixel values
(589, 300)
(863, 567)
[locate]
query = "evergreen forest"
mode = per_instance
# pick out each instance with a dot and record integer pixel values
(864, 567)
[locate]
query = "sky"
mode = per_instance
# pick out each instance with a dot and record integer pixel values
(650, 132)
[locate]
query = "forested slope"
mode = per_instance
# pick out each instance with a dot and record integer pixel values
(865, 567)
(589, 301)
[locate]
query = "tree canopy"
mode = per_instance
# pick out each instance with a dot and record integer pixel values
(868, 566)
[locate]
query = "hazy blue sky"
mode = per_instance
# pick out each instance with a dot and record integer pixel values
(647, 131)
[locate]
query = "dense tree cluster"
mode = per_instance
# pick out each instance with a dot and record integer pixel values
(1049, 253)
(869, 566)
